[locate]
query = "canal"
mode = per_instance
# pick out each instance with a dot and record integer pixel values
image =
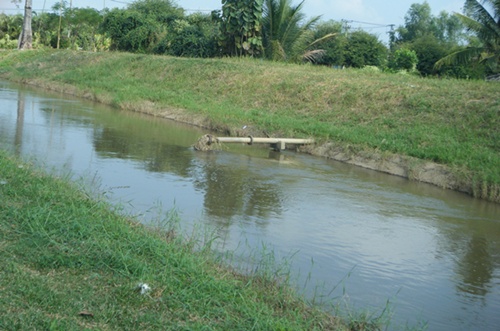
(348, 236)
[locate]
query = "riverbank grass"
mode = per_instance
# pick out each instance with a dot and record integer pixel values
(68, 262)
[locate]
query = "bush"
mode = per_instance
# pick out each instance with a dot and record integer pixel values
(404, 59)
(364, 49)
(7, 43)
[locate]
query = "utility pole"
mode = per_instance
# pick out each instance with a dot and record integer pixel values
(346, 26)
(392, 36)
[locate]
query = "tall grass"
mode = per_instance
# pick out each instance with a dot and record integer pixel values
(451, 122)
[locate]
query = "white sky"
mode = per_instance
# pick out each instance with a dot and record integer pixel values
(382, 12)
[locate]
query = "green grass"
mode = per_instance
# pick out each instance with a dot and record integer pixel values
(66, 256)
(451, 122)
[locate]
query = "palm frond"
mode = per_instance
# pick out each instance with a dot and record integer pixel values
(325, 37)
(283, 24)
(487, 25)
(460, 57)
(314, 55)
(483, 18)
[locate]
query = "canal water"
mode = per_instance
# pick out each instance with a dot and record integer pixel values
(350, 236)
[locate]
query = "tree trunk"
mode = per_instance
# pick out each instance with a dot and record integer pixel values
(25, 39)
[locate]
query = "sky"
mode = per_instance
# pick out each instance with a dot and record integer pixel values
(373, 16)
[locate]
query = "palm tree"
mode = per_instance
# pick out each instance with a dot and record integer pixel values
(285, 38)
(25, 39)
(486, 25)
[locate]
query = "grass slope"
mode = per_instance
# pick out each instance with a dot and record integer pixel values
(69, 263)
(451, 122)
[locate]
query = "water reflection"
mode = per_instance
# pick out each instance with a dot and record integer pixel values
(231, 191)
(154, 155)
(18, 140)
(476, 267)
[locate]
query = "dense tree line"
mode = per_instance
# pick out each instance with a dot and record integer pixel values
(277, 30)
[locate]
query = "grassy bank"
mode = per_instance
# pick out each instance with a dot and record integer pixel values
(450, 122)
(69, 263)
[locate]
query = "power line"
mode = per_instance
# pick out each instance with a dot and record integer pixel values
(367, 23)
(376, 25)
(127, 3)
(200, 10)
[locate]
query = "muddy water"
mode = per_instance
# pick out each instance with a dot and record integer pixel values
(351, 234)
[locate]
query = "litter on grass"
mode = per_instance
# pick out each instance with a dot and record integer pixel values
(143, 288)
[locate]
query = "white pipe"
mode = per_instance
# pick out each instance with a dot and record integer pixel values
(252, 140)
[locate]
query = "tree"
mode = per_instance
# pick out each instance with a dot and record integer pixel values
(161, 11)
(429, 49)
(10, 30)
(449, 28)
(193, 36)
(26, 38)
(334, 48)
(142, 26)
(419, 22)
(404, 59)
(285, 37)
(241, 27)
(483, 19)
(364, 49)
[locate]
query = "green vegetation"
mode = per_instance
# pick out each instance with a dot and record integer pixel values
(241, 30)
(68, 262)
(446, 45)
(486, 27)
(450, 122)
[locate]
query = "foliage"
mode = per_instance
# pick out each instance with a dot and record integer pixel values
(334, 48)
(10, 25)
(418, 23)
(161, 11)
(10, 29)
(129, 30)
(349, 48)
(6, 42)
(404, 59)
(429, 50)
(483, 19)
(241, 27)
(431, 37)
(364, 49)
(82, 29)
(449, 29)
(140, 27)
(194, 36)
(285, 37)
(78, 28)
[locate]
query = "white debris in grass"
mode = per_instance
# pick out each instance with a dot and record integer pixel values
(143, 288)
